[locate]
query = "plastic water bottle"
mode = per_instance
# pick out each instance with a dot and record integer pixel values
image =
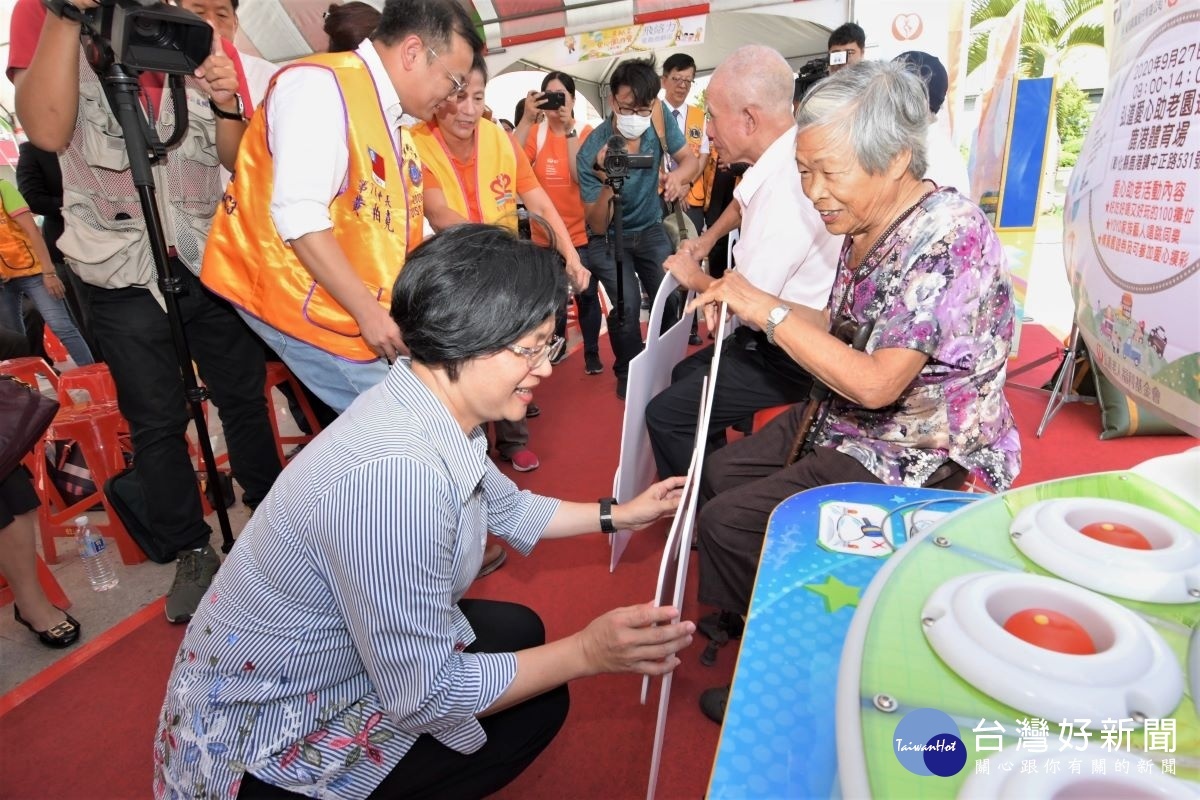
(96, 557)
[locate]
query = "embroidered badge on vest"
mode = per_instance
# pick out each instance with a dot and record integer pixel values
(502, 189)
(693, 133)
(378, 168)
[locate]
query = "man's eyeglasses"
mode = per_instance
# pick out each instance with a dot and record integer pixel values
(536, 356)
(680, 81)
(459, 85)
(625, 111)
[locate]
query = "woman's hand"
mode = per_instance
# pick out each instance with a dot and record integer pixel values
(641, 639)
(660, 500)
(54, 286)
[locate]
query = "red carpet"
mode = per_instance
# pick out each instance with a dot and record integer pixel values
(87, 733)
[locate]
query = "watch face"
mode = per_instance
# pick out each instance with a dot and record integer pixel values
(777, 314)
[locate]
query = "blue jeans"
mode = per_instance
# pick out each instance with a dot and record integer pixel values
(335, 380)
(53, 310)
(587, 304)
(642, 257)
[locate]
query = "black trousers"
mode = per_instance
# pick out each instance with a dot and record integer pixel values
(740, 487)
(753, 375)
(136, 337)
(515, 736)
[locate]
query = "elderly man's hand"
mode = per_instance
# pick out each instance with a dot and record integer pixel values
(640, 639)
(743, 298)
(218, 76)
(697, 248)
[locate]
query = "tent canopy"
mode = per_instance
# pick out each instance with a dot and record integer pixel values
(525, 34)
(798, 40)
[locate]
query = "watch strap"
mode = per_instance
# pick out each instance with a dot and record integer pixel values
(64, 10)
(606, 519)
(234, 115)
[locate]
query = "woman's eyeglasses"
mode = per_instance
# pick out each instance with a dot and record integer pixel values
(536, 356)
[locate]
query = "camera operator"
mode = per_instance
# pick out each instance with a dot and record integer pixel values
(62, 104)
(633, 92)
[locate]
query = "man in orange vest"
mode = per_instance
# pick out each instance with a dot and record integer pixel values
(326, 198)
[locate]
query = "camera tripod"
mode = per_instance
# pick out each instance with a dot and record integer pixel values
(616, 183)
(142, 145)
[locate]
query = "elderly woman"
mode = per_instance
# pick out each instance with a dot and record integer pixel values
(922, 404)
(334, 655)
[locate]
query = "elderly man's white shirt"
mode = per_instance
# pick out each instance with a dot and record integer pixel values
(783, 247)
(306, 131)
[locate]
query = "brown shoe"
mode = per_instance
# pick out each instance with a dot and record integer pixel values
(493, 558)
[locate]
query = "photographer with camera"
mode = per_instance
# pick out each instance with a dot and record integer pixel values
(622, 162)
(62, 103)
(552, 146)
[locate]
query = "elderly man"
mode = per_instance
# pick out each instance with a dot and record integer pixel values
(783, 250)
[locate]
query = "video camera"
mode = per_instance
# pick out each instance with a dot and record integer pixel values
(145, 35)
(618, 162)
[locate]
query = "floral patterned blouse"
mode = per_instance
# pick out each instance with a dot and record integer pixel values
(939, 285)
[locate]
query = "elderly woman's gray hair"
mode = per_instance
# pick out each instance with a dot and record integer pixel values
(880, 107)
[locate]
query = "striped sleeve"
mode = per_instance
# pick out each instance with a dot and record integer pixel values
(516, 516)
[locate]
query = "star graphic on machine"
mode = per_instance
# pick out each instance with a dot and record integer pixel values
(837, 594)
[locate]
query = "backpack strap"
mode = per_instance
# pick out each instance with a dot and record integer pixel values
(541, 139)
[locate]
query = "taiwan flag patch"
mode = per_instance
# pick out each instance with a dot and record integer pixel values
(378, 169)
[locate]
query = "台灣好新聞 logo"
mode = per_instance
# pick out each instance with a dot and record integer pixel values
(926, 743)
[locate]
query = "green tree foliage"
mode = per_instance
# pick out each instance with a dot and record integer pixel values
(1050, 30)
(1072, 112)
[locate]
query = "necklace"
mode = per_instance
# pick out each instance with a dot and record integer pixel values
(861, 271)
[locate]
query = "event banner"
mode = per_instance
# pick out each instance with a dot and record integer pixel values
(626, 39)
(1132, 240)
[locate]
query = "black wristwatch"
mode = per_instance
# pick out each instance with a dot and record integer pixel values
(64, 10)
(238, 115)
(606, 520)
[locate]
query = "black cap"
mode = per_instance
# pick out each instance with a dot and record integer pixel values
(930, 68)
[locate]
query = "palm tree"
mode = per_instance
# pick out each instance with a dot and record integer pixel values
(1050, 30)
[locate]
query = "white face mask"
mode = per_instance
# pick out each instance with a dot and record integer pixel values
(631, 126)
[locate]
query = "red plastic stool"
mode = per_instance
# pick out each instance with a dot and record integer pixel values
(49, 584)
(96, 430)
(53, 347)
(278, 374)
(765, 415)
(95, 379)
(29, 369)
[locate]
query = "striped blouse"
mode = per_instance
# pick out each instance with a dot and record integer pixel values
(331, 637)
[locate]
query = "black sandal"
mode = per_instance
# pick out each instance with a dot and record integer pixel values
(64, 634)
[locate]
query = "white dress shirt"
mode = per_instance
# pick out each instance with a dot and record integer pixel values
(306, 132)
(944, 164)
(783, 247)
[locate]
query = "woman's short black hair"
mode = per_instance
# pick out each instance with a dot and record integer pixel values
(470, 291)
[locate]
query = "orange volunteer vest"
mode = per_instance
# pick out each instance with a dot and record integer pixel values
(693, 131)
(376, 220)
(16, 250)
(495, 173)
